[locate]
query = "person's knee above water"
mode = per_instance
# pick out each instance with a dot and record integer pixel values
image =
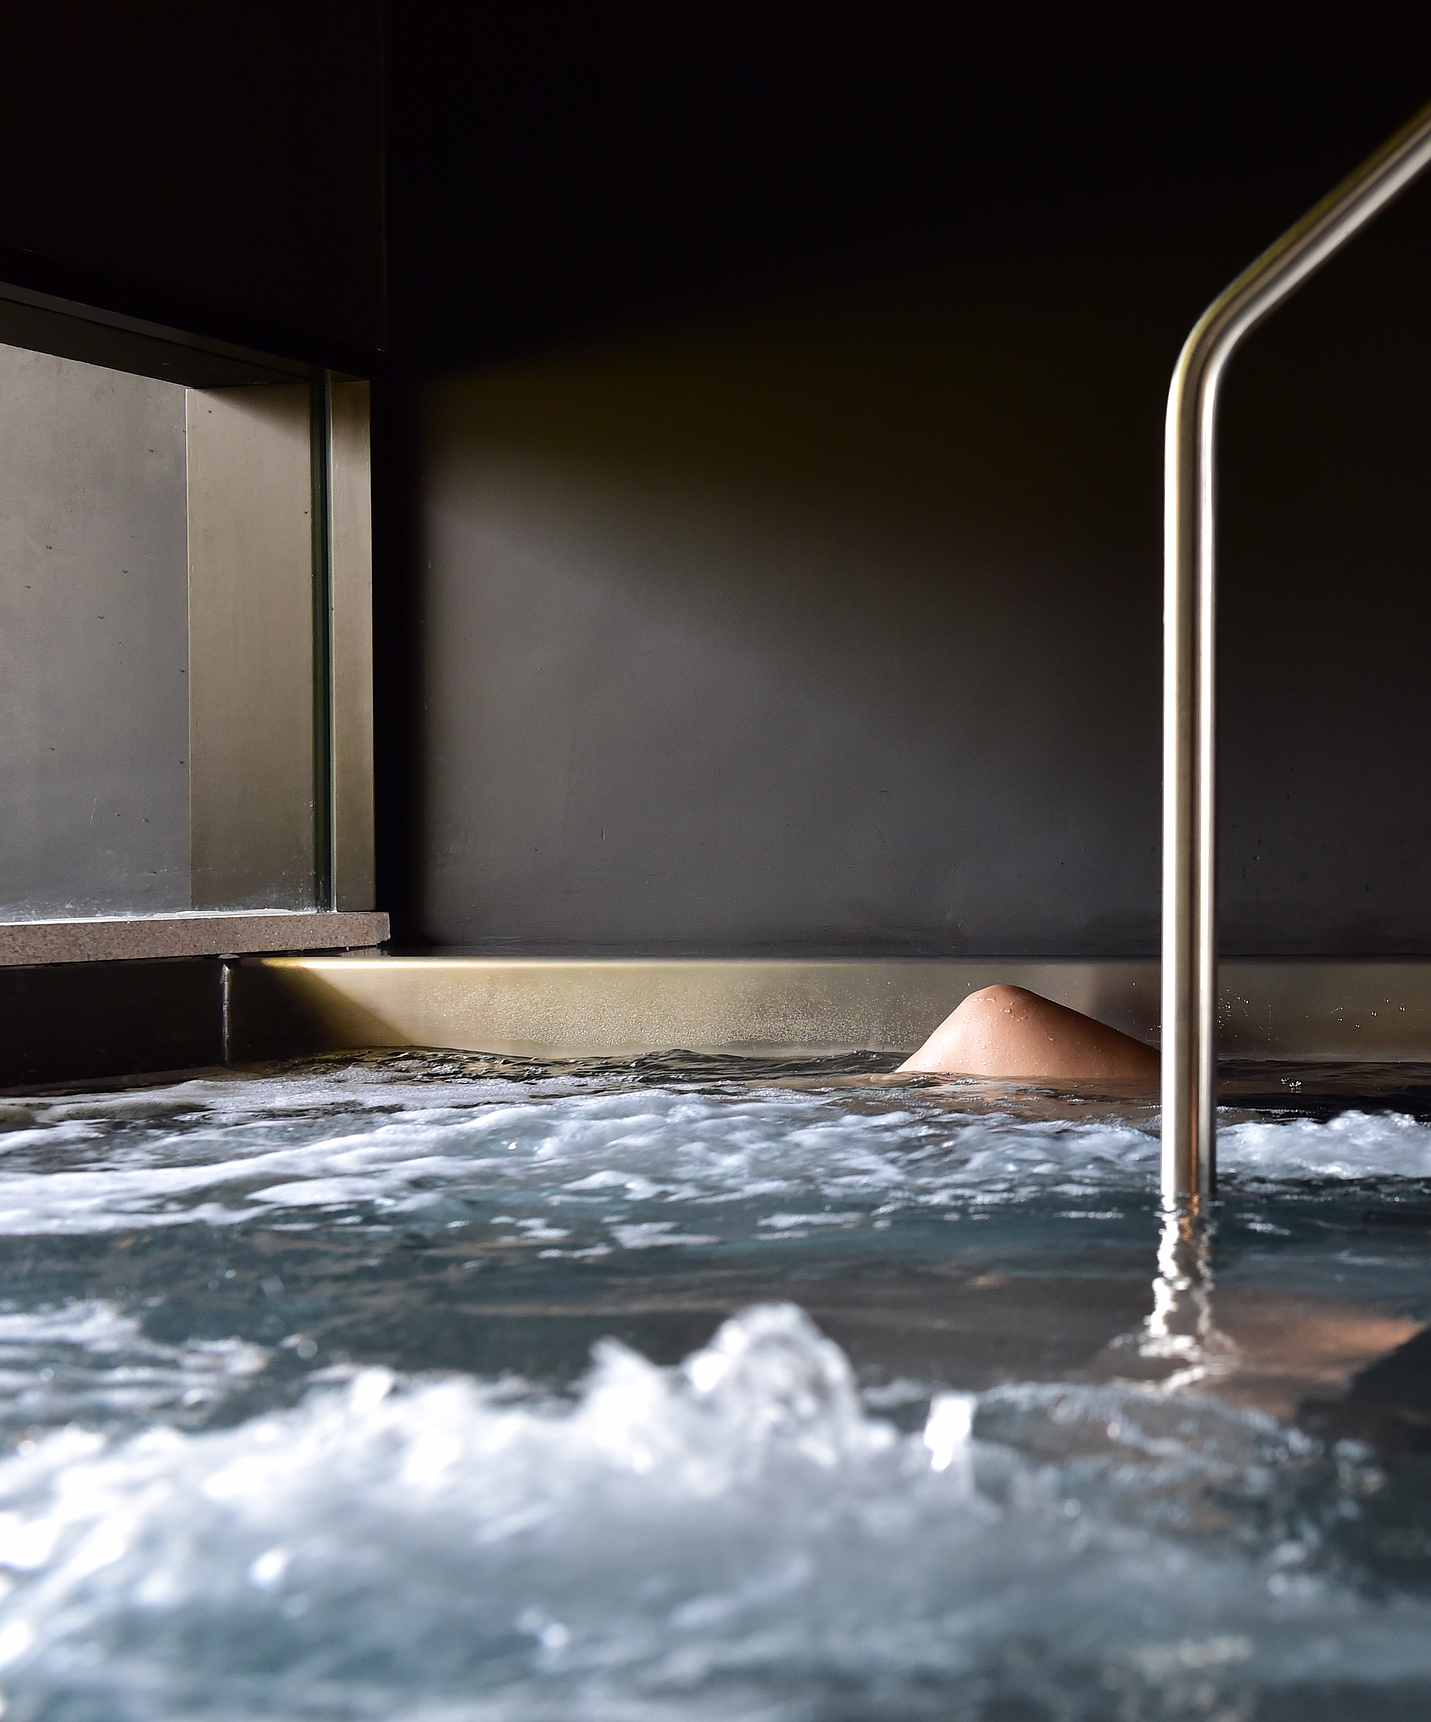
(1004, 1031)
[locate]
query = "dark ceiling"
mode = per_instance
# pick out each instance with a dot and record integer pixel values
(555, 171)
(470, 181)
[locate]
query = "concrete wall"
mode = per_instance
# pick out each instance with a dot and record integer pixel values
(833, 626)
(94, 709)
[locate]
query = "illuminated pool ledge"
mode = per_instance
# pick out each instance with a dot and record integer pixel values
(68, 1017)
(574, 1007)
(196, 933)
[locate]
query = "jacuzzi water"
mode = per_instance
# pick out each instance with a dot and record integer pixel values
(429, 1387)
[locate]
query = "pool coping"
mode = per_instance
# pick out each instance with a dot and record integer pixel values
(1288, 1008)
(76, 1020)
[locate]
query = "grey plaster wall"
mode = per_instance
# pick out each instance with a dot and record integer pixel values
(834, 627)
(93, 640)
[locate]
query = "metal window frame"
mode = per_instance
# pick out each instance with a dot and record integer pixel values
(337, 545)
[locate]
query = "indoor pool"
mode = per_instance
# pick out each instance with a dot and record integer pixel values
(425, 1386)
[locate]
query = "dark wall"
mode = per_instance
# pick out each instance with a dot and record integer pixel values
(221, 168)
(783, 493)
(818, 629)
(1325, 608)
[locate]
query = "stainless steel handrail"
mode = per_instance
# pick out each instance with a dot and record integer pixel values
(1189, 639)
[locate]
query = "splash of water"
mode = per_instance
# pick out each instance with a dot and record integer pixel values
(735, 1536)
(225, 1152)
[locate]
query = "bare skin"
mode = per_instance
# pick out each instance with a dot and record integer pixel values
(1009, 1032)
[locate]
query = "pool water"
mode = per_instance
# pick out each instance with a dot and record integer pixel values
(432, 1387)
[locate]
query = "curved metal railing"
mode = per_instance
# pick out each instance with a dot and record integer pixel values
(1189, 595)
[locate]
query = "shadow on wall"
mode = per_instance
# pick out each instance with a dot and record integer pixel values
(833, 628)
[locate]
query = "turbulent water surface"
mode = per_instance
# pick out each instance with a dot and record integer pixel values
(432, 1388)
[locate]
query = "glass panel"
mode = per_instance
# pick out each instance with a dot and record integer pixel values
(156, 644)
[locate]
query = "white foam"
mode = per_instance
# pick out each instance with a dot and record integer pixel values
(732, 1538)
(1353, 1145)
(728, 1538)
(89, 1360)
(302, 1149)
(269, 1149)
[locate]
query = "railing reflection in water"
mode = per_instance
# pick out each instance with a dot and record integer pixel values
(1182, 1330)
